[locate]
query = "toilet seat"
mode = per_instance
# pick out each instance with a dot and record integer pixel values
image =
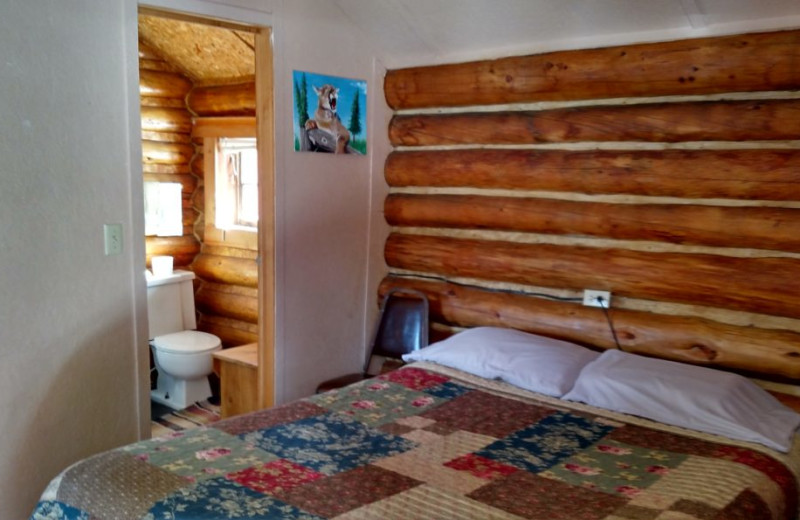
(186, 342)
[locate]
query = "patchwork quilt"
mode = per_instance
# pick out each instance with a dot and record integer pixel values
(425, 442)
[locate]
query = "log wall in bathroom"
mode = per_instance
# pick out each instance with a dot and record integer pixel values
(666, 173)
(167, 148)
(226, 284)
(226, 294)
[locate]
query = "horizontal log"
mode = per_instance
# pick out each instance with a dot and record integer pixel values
(680, 338)
(155, 65)
(183, 249)
(663, 122)
(146, 52)
(165, 169)
(162, 102)
(730, 174)
(234, 252)
(225, 100)
(741, 63)
(159, 119)
(231, 332)
(226, 270)
(742, 227)
(163, 84)
(759, 285)
(188, 182)
(230, 126)
(166, 153)
(166, 137)
(240, 303)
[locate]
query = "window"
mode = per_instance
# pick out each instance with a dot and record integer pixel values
(163, 209)
(230, 173)
(236, 184)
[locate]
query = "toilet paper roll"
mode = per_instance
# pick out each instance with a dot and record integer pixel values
(162, 266)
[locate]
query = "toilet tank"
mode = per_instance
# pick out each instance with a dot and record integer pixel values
(170, 303)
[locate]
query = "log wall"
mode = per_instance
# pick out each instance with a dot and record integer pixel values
(226, 284)
(226, 293)
(167, 149)
(665, 173)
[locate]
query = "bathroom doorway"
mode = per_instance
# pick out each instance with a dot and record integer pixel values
(207, 82)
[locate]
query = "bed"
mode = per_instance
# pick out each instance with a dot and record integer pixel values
(436, 441)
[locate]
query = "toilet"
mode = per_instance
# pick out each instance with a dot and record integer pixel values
(182, 355)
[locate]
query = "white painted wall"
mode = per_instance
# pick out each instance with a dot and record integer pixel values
(73, 337)
(330, 227)
(330, 258)
(68, 314)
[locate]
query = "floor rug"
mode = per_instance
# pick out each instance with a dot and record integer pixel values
(198, 414)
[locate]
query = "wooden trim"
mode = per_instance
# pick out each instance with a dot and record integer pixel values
(185, 17)
(232, 126)
(681, 338)
(741, 227)
(727, 174)
(759, 285)
(209, 187)
(740, 63)
(266, 225)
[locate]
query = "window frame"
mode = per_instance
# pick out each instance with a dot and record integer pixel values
(238, 220)
(212, 130)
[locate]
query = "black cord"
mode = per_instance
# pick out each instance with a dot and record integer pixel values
(490, 289)
(601, 301)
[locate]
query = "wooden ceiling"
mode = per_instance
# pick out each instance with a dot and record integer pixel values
(206, 54)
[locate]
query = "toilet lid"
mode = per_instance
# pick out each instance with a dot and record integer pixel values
(186, 341)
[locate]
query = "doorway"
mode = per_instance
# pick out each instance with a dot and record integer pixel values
(186, 86)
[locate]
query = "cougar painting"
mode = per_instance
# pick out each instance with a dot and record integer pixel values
(326, 118)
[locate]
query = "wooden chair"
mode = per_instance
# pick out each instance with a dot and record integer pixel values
(402, 328)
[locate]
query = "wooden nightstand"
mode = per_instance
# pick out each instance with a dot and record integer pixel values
(238, 373)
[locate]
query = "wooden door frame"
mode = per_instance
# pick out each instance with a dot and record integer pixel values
(265, 142)
(265, 145)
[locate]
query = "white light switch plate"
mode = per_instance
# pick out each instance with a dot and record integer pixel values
(112, 234)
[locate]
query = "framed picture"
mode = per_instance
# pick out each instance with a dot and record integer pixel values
(330, 114)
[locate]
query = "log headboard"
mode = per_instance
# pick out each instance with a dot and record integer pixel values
(665, 173)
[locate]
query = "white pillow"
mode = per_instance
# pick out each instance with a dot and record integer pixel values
(689, 396)
(545, 365)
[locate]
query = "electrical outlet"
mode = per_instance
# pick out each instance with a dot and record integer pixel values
(590, 297)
